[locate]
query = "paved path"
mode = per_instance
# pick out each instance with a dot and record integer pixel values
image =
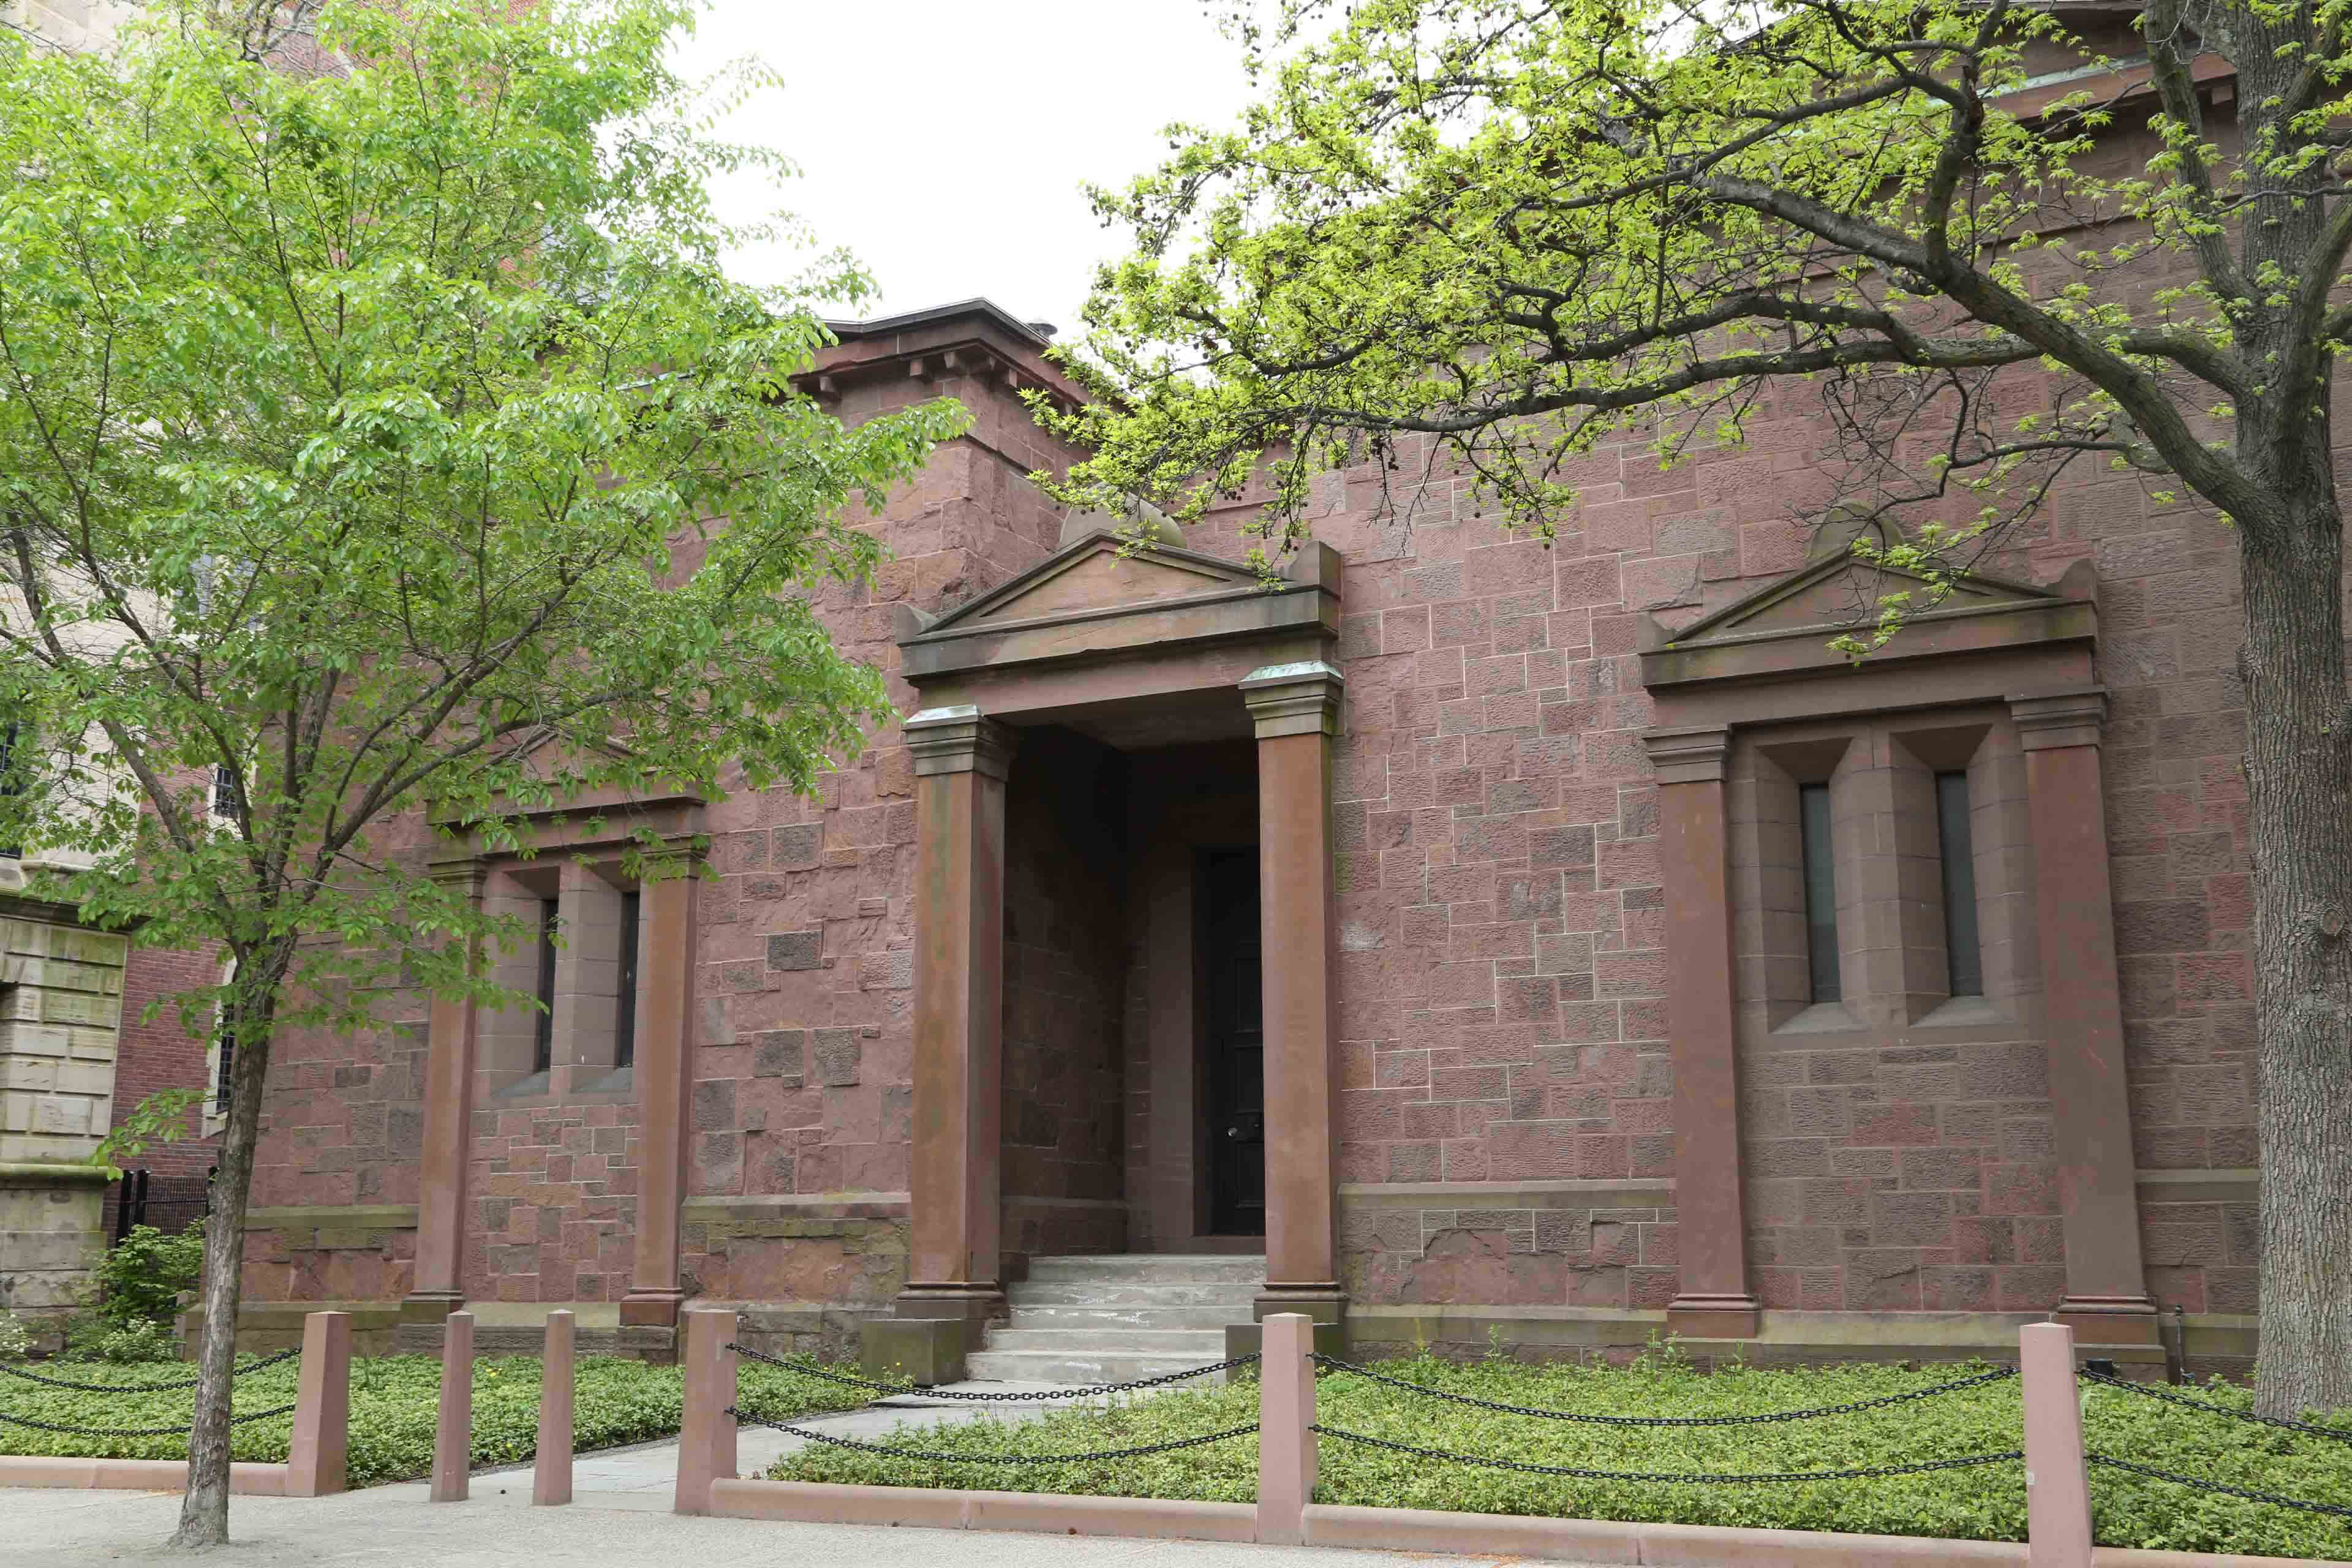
(620, 1518)
(645, 1476)
(394, 1527)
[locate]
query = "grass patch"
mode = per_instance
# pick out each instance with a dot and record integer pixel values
(1986, 1503)
(393, 1399)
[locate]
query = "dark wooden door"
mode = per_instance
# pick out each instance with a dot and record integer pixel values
(1231, 944)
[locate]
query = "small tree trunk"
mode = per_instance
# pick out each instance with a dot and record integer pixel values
(203, 1511)
(2299, 775)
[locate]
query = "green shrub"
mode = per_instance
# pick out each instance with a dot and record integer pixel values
(1985, 1503)
(14, 1339)
(139, 1343)
(395, 1400)
(142, 1276)
(134, 1295)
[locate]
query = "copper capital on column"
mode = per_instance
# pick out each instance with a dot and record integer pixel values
(962, 757)
(2106, 1290)
(663, 1069)
(1295, 709)
(1712, 1300)
(437, 1286)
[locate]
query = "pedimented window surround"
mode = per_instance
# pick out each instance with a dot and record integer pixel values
(1754, 706)
(478, 1060)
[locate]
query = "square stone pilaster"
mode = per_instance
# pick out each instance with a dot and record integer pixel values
(663, 1072)
(960, 759)
(1712, 1299)
(453, 1036)
(1295, 710)
(2106, 1299)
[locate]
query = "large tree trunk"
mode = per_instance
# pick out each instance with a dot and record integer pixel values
(203, 1511)
(2299, 772)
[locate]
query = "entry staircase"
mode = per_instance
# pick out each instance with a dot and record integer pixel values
(1118, 1318)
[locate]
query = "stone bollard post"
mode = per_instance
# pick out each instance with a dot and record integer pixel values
(2057, 1485)
(551, 1474)
(453, 1437)
(706, 1438)
(315, 1457)
(1285, 1448)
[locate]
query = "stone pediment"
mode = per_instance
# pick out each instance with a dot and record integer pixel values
(1786, 627)
(1106, 592)
(1098, 573)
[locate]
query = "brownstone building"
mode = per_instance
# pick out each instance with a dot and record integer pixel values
(1467, 940)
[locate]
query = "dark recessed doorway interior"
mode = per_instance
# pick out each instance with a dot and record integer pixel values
(1233, 1039)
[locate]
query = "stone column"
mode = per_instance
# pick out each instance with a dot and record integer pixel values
(664, 1064)
(1712, 1300)
(1295, 707)
(2106, 1299)
(453, 1038)
(960, 757)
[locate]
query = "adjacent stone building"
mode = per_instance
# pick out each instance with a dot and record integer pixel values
(1550, 944)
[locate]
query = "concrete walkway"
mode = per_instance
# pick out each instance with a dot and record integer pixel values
(396, 1528)
(619, 1517)
(645, 1476)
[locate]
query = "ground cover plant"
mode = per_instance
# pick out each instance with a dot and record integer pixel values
(1985, 1503)
(392, 1403)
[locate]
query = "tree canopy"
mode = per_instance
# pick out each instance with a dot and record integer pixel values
(1999, 241)
(388, 436)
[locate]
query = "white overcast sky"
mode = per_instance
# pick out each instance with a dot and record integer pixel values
(945, 142)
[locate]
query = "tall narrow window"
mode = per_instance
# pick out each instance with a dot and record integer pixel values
(625, 1004)
(228, 795)
(1820, 891)
(9, 783)
(542, 1045)
(225, 1047)
(1962, 946)
(224, 1079)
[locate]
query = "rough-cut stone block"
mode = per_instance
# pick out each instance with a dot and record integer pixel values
(796, 950)
(839, 1056)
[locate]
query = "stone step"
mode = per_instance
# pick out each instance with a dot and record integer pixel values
(1079, 1367)
(1151, 1268)
(1202, 1344)
(1212, 1315)
(1125, 1293)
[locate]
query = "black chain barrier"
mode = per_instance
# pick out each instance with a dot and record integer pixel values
(143, 1387)
(1696, 1477)
(909, 1388)
(139, 1431)
(2201, 1484)
(1996, 1375)
(885, 1450)
(2148, 1391)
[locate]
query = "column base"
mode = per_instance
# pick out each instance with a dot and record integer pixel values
(657, 1309)
(1323, 1303)
(430, 1306)
(976, 1304)
(927, 1351)
(1249, 1339)
(1715, 1317)
(2109, 1320)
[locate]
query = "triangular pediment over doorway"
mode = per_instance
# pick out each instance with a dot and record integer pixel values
(1102, 572)
(1108, 592)
(1786, 627)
